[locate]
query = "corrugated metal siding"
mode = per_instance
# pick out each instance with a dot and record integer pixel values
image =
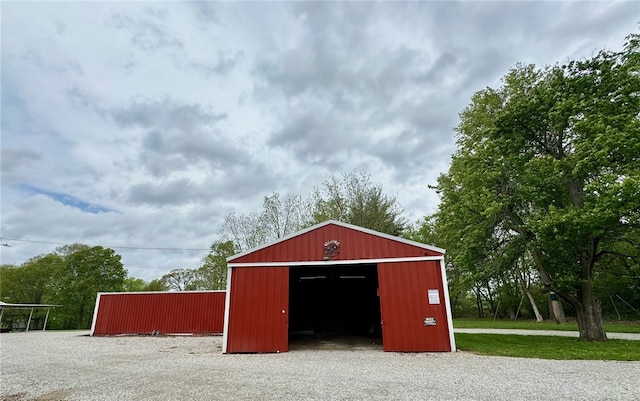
(169, 312)
(353, 245)
(404, 304)
(257, 300)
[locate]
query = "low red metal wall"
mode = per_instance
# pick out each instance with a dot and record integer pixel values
(197, 312)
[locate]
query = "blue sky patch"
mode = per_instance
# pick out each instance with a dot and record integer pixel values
(66, 199)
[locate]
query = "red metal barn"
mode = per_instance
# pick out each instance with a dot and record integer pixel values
(338, 278)
(176, 312)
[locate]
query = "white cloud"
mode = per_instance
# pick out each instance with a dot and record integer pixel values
(176, 114)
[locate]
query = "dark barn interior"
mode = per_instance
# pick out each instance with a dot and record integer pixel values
(336, 303)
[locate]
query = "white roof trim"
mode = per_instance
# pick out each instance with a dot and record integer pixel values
(338, 223)
(17, 306)
(158, 292)
(336, 262)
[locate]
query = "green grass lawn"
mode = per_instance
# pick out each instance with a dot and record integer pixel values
(623, 327)
(547, 347)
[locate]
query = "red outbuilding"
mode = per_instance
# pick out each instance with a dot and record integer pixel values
(338, 278)
(168, 312)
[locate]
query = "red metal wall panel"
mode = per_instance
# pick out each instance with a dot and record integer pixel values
(258, 310)
(354, 244)
(404, 305)
(168, 312)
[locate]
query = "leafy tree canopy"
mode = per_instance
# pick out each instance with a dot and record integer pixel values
(85, 272)
(350, 198)
(548, 165)
(180, 279)
(354, 199)
(280, 216)
(212, 273)
(71, 276)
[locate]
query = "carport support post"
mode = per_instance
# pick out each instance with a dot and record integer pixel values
(29, 321)
(45, 319)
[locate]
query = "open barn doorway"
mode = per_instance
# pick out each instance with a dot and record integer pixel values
(334, 307)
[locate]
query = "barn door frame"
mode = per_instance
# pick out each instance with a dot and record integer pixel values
(376, 261)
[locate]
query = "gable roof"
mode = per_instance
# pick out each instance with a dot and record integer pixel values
(365, 231)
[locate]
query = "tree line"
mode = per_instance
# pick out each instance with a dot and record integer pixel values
(72, 275)
(539, 211)
(350, 197)
(545, 188)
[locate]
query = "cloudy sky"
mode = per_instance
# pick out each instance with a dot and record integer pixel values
(143, 124)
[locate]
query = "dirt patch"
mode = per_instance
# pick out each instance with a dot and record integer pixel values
(57, 395)
(14, 397)
(333, 342)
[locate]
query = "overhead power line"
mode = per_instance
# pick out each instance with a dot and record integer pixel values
(109, 246)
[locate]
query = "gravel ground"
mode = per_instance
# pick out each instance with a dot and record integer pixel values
(68, 366)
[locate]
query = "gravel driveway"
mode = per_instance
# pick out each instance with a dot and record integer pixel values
(69, 366)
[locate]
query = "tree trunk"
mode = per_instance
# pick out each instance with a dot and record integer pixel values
(534, 306)
(589, 315)
(80, 317)
(588, 311)
(479, 304)
(454, 302)
(555, 309)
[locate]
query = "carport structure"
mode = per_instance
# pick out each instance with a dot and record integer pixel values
(338, 278)
(4, 305)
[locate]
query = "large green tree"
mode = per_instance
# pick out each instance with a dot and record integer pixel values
(353, 198)
(212, 273)
(132, 284)
(156, 285)
(279, 217)
(85, 272)
(548, 168)
(618, 286)
(180, 280)
(31, 282)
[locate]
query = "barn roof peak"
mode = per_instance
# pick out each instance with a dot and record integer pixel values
(341, 224)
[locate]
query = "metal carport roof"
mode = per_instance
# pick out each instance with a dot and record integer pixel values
(4, 305)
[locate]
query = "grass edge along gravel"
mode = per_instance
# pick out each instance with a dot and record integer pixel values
(547, 347)
(611, 327)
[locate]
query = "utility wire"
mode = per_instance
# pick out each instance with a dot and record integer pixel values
(113, 247)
